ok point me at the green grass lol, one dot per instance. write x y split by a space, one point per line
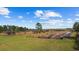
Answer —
27 43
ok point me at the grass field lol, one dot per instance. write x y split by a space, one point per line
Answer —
29 43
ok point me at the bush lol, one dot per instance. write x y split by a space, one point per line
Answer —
76 29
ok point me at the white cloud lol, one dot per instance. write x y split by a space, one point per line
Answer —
20 17
69 22
52 14
53 22
77 14
7 16
57 23
69 19
39 13
77 19
4 11
46 14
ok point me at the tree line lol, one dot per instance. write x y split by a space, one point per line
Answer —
11 29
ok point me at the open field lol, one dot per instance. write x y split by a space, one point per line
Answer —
29 42
39 29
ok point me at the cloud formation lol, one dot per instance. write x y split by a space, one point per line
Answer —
20 17
57 23
46 14
4 11
77 15
7 16
77 19
52 22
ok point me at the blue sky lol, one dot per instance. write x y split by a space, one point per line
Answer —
49 17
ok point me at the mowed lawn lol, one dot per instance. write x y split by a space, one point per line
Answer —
29 43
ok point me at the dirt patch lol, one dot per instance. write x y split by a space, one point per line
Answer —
56 35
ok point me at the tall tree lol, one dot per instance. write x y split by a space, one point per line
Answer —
39 27
76 29
1 29
76 26
13 28
5 27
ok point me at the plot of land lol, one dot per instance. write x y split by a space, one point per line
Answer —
31 43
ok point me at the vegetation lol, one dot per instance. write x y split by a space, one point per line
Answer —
39 27
30 43
1 29
76 26
76 29
11 29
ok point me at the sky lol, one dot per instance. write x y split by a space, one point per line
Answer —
49 17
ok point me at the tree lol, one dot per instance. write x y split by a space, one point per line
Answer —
39 27
12 29
9 29
17 29
1 29
76 29
5 27
24 29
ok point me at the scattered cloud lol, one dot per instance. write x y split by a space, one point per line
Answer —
77 19
77 14
52 14
7 16
39 13
69 19
20 17
4 11
53 22
57 23
46 14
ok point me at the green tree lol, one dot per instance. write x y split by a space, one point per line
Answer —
76 29
1 29
5 27
39 27
13 28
